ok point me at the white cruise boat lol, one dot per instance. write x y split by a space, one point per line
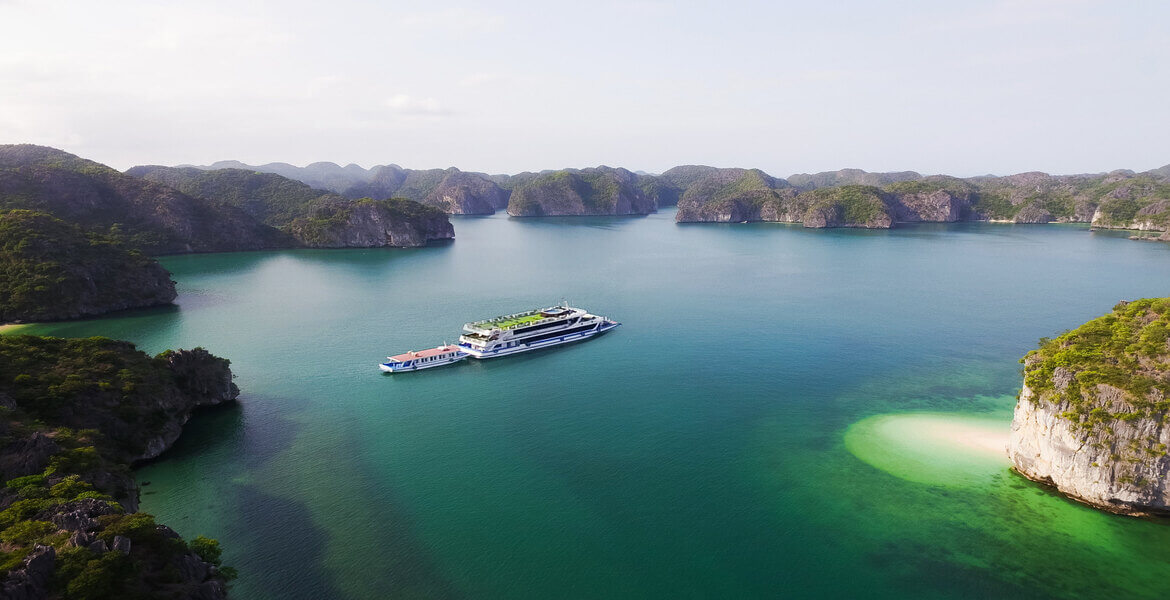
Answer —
521 332
423 359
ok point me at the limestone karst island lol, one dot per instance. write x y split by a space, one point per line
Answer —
376 301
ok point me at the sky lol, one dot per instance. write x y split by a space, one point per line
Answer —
958 87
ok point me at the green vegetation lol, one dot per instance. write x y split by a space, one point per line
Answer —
579 192
418 184
720 187
272 199
930 185
514 322
327 221
141 214
857 204
995 204
313 217
50 269
752 180
599 191
1126 349
1140 198
93 404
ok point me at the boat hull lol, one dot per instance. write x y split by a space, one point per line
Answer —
547 343
393 368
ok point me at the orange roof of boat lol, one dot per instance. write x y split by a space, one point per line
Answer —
424 353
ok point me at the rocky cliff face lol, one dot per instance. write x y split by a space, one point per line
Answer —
1032 213
460 193
76 414
1092 416
372 223
1154 216
1122 470
733 195
600 191
935 199
201 380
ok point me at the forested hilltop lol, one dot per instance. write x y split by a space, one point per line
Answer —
224 211
846 198
76 235
51 270
74 416
311 217
853 198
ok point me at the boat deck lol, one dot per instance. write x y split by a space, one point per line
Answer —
512 321
423 353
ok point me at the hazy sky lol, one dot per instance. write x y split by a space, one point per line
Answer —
957 87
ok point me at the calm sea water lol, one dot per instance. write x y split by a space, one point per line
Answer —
695 452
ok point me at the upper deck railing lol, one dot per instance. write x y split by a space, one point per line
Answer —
497 322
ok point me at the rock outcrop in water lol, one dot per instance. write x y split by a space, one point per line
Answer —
369 223
1119 199
599 191
1093 418
76 413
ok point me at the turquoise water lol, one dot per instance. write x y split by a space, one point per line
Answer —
695 452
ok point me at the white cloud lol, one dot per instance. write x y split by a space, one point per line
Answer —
406 104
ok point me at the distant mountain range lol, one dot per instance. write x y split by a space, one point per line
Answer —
81 233
845 198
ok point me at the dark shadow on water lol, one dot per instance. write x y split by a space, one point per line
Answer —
284 549
901 230
920 571
365 257
218 263
611 222
274 541
82 327
228 427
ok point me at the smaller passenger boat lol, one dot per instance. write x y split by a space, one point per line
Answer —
423 359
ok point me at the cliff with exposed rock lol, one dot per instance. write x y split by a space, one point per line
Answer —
75 415
371 223
1092 417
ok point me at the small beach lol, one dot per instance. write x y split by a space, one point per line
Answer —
932 448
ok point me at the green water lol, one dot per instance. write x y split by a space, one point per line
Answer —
695 452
